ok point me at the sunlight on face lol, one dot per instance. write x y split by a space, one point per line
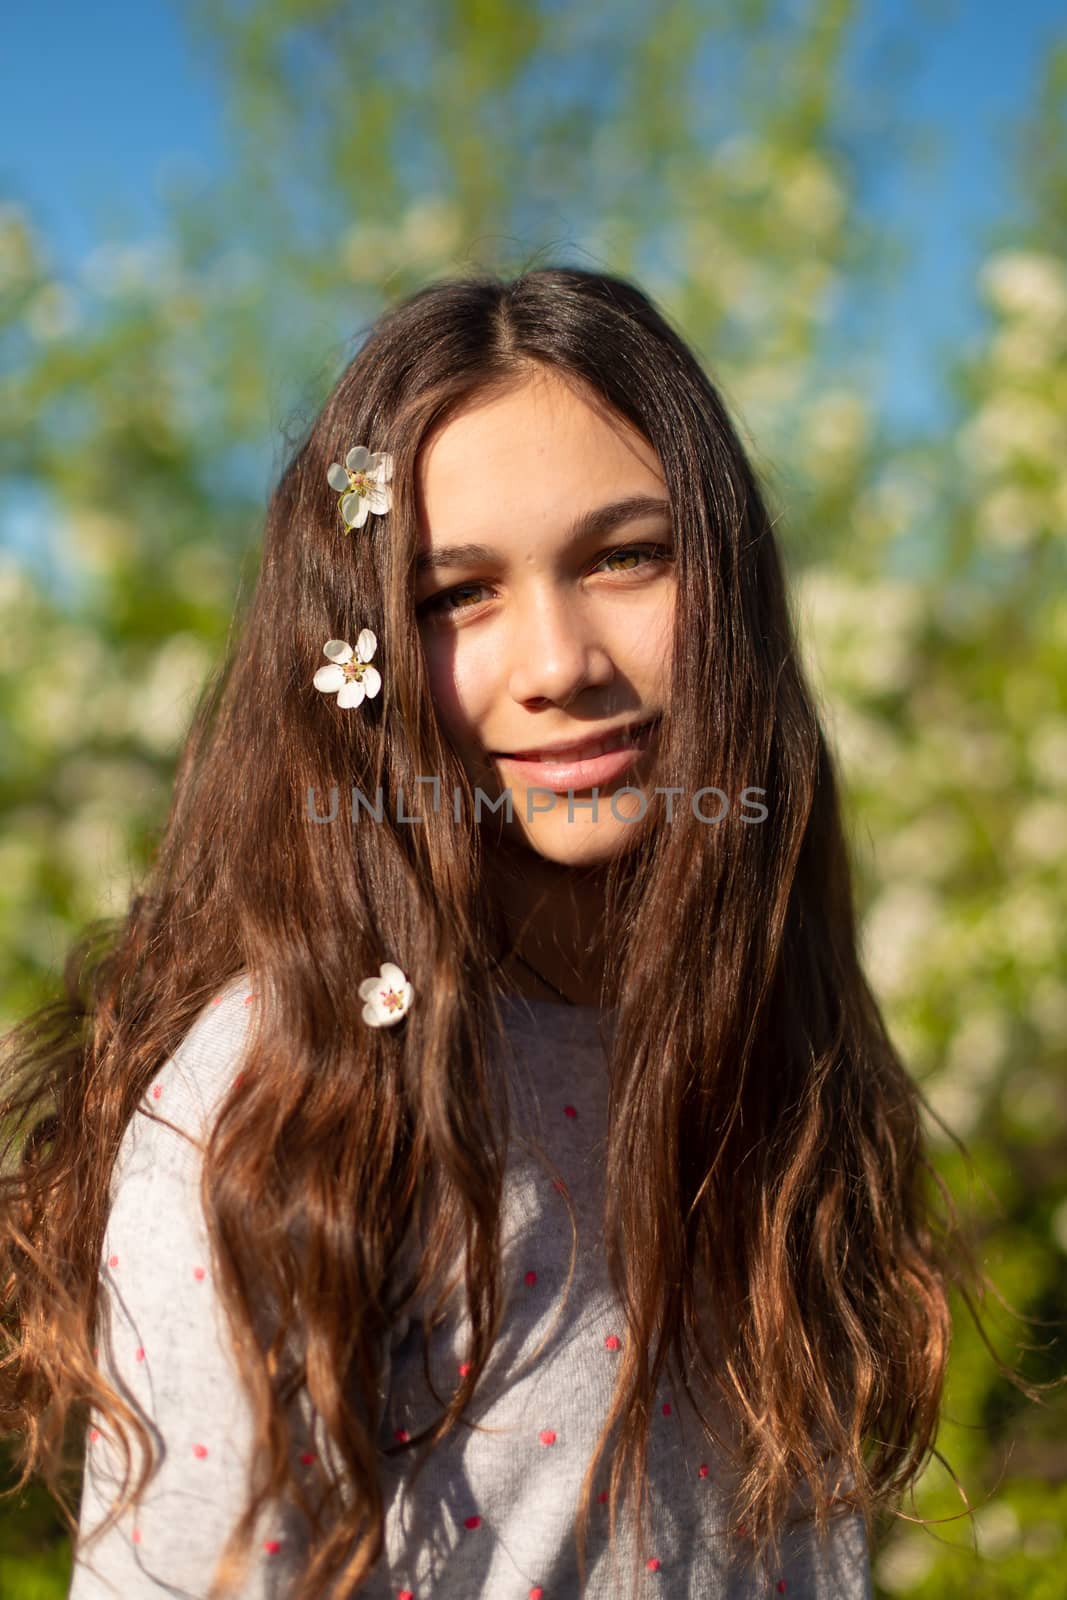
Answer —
548 635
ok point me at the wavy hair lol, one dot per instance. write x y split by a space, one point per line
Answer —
775 1226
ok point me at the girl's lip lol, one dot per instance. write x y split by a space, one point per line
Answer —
575 774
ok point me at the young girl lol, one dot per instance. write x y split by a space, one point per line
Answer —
480 1158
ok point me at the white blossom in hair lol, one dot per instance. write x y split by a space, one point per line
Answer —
362 484
349 674
387 997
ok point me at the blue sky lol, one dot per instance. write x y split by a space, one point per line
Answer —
78 82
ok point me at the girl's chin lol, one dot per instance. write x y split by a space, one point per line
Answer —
571 844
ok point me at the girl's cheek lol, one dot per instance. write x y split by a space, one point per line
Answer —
478 676
658 631
461 684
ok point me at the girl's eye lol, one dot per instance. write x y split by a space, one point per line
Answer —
654 552
464 596
438 604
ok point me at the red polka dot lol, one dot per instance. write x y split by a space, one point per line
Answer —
237 1081
559 1186
156 1091
405 1594
94 1434
402 1435
702 1471
306 1458
464 1368
536 1593
272 1546
217 1000
136 1535
666 1408
602 1496
781 1586
611 1342
95 1348
200 1451
569 1111
652 1563
249 998
139 1353
473 1522
112 1261
531 1279
547 1436
198 1274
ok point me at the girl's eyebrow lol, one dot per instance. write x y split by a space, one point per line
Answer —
590 524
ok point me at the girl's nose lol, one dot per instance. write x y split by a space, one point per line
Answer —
556 653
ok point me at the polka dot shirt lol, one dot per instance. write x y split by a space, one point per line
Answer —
494 1511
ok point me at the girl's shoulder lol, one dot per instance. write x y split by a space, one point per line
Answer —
210 1053
174 1115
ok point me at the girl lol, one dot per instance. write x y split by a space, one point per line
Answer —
485 1080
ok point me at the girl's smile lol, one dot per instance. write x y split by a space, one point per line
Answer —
579 766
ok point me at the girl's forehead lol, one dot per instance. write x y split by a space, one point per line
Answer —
532 418
538 447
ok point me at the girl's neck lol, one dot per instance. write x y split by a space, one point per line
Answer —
553 916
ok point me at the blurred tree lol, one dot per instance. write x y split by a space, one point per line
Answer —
967 924
716 156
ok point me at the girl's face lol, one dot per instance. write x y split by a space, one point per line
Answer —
544 625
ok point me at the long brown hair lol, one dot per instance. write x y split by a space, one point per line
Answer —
774 1216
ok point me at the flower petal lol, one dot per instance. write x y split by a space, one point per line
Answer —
392 975
354 509
378 499
352 694
329 679
337 478
390 1018
372 1018
369 987
359 458
366 644
372 682
383 467
337 650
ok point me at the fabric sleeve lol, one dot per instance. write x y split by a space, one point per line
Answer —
162 1340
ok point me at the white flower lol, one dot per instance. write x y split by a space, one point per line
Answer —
388 997
362 484
349 676
1029 284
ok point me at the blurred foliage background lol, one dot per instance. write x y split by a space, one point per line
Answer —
146 399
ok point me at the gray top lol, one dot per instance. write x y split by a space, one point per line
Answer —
493 1512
